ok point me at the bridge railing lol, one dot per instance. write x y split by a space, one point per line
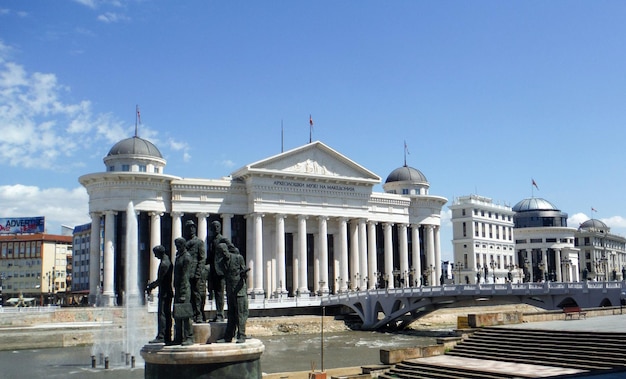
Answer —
475 289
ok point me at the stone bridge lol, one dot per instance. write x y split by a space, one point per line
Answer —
398 307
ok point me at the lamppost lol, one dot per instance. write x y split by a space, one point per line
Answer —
458 270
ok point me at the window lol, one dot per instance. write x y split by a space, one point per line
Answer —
405 191
111 168
463 212
125 167
142 168
464 230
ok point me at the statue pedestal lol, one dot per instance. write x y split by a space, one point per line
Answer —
216 360
204 360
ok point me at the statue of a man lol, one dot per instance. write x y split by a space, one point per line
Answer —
235 273
197 251
183 311
164 309
216 276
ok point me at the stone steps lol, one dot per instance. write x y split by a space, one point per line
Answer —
531 349
417 370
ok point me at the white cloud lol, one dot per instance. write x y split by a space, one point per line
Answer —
575 220
88 3
38 127
60 206
110 17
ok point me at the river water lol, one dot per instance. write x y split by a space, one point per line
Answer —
282 354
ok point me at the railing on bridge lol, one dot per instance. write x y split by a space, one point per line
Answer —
397 303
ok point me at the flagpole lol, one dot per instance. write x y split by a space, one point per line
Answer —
282 137
136 119
310 129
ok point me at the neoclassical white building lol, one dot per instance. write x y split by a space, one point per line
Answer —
306 220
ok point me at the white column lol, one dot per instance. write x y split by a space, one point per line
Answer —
258 253
343 255
303 286
177 229
371 254
280 253
323 252
437 254
354 254
430 250
544 259
94 258
363 255
251 253
109 258
155 240
202 227
559 265
388 276
415 251
404 254
226 225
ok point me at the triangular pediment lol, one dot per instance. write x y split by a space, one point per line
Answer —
311 160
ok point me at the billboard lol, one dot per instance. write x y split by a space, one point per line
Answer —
22 225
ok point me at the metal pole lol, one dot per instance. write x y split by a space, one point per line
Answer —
322 342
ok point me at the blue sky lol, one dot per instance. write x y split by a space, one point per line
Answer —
487 94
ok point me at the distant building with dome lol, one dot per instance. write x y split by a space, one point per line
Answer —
306 220
603 254
544 243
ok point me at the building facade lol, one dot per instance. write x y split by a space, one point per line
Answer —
34 267
544 243
602 254
307 220
483 241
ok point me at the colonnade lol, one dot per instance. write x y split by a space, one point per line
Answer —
355 264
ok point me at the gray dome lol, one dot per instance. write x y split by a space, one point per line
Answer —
135 146
593 224
406 174
534 204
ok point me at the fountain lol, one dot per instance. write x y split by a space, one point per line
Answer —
122 334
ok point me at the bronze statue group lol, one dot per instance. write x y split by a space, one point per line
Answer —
222 267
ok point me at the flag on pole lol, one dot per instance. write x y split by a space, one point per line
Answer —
310 121
593 209
406 148
535 184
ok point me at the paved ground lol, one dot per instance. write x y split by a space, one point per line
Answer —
604 324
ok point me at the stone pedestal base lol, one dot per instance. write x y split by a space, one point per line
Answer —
204 361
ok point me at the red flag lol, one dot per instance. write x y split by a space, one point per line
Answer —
535 183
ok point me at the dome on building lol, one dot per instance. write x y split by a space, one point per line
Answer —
534 204
135 146
594 224
406 174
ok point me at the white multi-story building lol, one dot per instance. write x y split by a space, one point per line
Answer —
603 254
483 242
306 220
544 243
